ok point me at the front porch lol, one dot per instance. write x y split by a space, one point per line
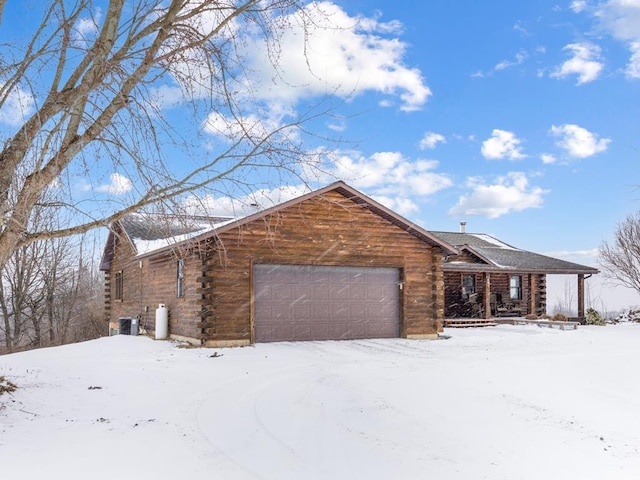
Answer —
491 296
490 280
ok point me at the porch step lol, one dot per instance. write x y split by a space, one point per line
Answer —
562 325
468 322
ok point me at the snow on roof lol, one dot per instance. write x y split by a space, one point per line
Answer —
149 232
146 246
492 240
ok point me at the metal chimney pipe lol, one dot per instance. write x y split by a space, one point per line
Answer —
463 227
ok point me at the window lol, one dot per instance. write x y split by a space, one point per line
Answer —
118 286
468 285
180 278
515 287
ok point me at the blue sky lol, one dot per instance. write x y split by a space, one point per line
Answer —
520 118
531 126
530 129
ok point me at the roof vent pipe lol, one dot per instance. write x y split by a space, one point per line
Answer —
463 227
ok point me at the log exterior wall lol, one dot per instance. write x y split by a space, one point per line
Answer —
150 281
327 230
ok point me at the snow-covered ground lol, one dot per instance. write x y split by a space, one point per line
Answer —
495 403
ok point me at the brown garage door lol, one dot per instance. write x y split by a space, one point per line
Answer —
300 302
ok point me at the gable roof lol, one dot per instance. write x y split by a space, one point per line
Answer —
500 256
147 238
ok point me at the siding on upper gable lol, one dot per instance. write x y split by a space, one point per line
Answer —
464 257
328 230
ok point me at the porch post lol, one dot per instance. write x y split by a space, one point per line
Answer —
581 295
487 295
532 294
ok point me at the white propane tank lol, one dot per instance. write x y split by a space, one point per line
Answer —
162 322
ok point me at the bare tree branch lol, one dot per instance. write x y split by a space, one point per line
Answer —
621 260
92 107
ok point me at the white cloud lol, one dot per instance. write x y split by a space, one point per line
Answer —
118 185
87 27
343 56
337 124
578 5
510 193
431 139
585 63
389 177
403 206
519 28
579 142
18 105
320 51
633 67
166 96
575 255
502 144
226 206
621 18
255 125
388 173
547 158
520 57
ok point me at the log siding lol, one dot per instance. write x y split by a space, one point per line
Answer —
328 229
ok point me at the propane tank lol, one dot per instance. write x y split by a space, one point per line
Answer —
162 322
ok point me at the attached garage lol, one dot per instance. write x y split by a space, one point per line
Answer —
308 302
330 264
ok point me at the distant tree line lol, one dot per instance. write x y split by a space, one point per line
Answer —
50 294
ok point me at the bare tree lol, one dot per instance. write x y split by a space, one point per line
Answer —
50 294
564 304
86 86
620 260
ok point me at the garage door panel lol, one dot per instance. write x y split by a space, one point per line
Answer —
320 311
301 311
276 294
281 313
382 310
281 331
323 303
357 330
338 292
380 330
339 311
301 330
338 331
320 292
318 330
357 310
357 292
264 332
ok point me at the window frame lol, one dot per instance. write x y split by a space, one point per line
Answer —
466 293
118 286
515 287
180 278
